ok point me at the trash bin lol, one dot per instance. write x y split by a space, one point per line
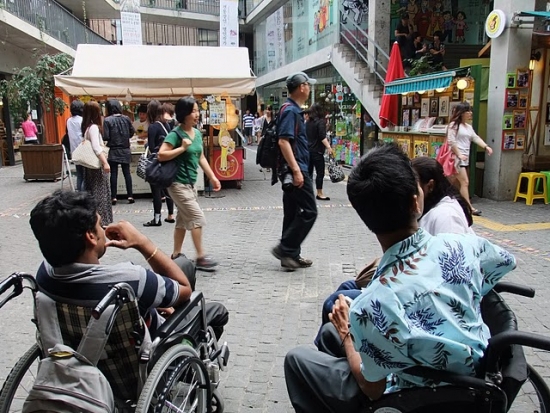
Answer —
42 162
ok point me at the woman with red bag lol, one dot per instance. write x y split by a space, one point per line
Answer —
460 135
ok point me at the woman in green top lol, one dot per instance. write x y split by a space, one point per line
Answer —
185 144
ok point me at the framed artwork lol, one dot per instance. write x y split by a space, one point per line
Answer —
406 121
520 141
416 98
456 93
507 121
425 107
519 119
508 141
434 102
512 99
431 93
403 100
522 102
510 80
405 145
421 148
522 79
434 148
444 106
409 100
452 107
415 115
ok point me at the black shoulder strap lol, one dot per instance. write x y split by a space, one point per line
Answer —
180 135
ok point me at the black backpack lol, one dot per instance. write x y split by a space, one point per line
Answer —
267 155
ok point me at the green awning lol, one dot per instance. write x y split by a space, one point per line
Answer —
424 82
543 14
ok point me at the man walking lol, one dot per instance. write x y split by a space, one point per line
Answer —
248 124
300 209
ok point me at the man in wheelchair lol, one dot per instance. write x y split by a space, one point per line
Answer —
72 240
422 307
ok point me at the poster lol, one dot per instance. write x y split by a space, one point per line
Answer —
131 28
217 112
275 40
229 23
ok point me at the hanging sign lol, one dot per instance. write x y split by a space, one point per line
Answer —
229 23
131 28
495 23
217 113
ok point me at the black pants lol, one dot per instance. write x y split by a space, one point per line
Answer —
317 161
114 178
322 381
300 213
158 192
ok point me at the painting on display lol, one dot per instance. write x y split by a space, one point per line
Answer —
425 107
508 140
522 79
444 106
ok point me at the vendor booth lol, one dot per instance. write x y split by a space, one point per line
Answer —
425 106
213 75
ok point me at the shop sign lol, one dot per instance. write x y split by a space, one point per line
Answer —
229 23
131 28
285 93
495 23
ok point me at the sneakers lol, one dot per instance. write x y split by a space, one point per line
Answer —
206 264
289 262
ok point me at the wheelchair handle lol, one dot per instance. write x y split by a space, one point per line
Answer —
16 281
513 288
121 293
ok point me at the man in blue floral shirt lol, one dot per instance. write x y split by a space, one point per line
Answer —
421 308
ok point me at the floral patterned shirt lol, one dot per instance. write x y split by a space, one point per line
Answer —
423 307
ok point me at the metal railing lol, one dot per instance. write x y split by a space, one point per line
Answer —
374 56
211 7
52 19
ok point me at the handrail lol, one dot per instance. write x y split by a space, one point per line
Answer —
355 36
51 18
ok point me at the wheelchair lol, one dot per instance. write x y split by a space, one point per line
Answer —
176 370
505 382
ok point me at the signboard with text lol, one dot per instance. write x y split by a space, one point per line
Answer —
229 23
131 28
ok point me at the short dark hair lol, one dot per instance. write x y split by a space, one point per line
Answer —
316 111
429 169
381 189
77 107
438 34
142 108
60 222
113 107
155 111
184 107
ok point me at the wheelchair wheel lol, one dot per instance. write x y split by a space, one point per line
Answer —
19 382
178 382
534 395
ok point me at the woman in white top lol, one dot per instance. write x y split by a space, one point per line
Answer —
460 135
96 181
444 209
258 124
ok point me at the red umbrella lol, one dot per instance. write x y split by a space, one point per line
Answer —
388 108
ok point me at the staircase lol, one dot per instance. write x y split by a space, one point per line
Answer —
364 83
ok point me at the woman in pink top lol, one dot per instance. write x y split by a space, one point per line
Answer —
30 130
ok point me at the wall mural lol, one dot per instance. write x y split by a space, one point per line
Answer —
459 21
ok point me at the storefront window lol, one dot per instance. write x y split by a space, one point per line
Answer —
295 30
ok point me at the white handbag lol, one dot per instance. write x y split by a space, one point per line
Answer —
85 156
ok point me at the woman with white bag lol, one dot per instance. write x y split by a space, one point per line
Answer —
97 180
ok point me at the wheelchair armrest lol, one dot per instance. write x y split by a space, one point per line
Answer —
500 342
179 315
513 288
446 377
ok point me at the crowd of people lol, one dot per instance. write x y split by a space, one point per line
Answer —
397 313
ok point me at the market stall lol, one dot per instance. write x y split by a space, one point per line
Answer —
213 75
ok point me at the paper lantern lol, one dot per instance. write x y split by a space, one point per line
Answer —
462 84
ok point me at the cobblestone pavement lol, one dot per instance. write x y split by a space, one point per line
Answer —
271 311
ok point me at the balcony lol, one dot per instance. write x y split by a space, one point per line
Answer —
53 20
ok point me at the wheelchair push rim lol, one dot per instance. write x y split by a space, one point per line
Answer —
533 396
178 383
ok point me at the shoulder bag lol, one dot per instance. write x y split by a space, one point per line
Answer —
85 156
147 158
335 171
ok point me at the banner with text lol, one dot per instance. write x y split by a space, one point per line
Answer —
131 28
229 23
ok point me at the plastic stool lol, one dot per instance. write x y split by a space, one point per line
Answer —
539 183
530 195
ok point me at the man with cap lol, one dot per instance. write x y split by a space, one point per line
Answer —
299 206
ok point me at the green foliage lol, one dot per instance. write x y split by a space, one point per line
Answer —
423 65
35 85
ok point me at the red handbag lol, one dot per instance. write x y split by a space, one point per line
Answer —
446 158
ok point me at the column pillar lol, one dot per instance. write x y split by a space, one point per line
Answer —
510 51
379 29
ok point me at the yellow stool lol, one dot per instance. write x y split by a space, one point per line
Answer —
530 195
539 182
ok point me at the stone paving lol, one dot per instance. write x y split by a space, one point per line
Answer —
271 311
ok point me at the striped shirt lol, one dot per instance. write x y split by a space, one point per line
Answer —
86 284
248 120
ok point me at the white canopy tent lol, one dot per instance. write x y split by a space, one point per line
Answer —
146 72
